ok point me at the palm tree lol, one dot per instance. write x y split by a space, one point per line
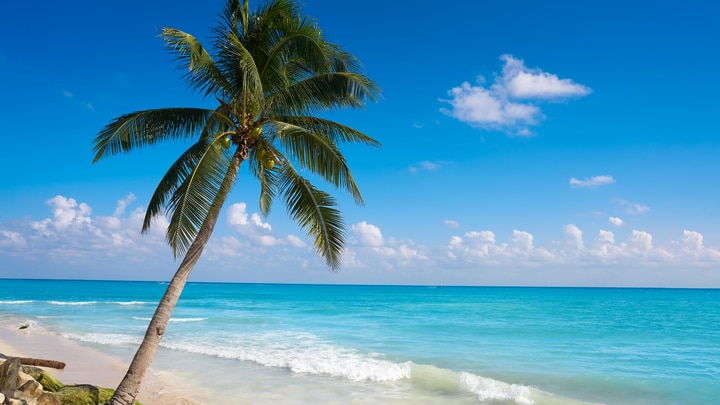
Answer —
272 74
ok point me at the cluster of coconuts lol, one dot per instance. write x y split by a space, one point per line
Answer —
267 161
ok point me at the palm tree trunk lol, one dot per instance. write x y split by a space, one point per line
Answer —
130 385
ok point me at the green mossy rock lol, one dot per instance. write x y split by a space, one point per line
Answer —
49 383
105 394
83 394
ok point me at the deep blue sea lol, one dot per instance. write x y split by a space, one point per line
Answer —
331 344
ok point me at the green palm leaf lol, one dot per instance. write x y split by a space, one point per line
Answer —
201 73
142 128
337 132
317 153
324 92
200 174
314 210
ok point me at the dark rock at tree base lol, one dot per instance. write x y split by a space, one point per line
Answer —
9 374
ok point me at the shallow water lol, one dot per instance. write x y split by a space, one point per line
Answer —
310 344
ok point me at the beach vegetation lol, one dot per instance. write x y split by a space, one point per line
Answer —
273 75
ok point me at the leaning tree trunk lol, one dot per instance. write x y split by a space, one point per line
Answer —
130 385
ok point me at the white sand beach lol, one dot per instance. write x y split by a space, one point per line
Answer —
85 365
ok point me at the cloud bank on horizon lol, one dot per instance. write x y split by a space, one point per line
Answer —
510 102
73 237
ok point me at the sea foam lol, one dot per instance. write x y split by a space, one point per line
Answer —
16 302
72 303
298 352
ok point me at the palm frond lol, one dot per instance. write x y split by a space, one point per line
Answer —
201 73
337 132
319 154
314 210
200 178
269 183
238 66
142 128
324 92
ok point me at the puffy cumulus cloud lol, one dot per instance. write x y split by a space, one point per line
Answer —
368 248
73 236
367 235
508 103
640 242
522 82
481 247
522 242
67 213
257 232
483 108
692 245
473 244
692 242
616 221
573 237
605 245
594 181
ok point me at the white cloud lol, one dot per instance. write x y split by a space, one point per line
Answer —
10 239
522 82
574 238
368 248
594 181
605 245
123 203
474 244
483 108
253 228
295 241
633 208
506 105
640 242
522 242
367 235
616 221
639 250
428 166
73 238
692 245
66 213
451 224
482 245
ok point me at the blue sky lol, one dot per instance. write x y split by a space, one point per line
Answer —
524 143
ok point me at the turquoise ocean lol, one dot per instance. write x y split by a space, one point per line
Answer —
341 344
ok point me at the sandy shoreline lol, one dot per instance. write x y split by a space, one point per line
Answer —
85 365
